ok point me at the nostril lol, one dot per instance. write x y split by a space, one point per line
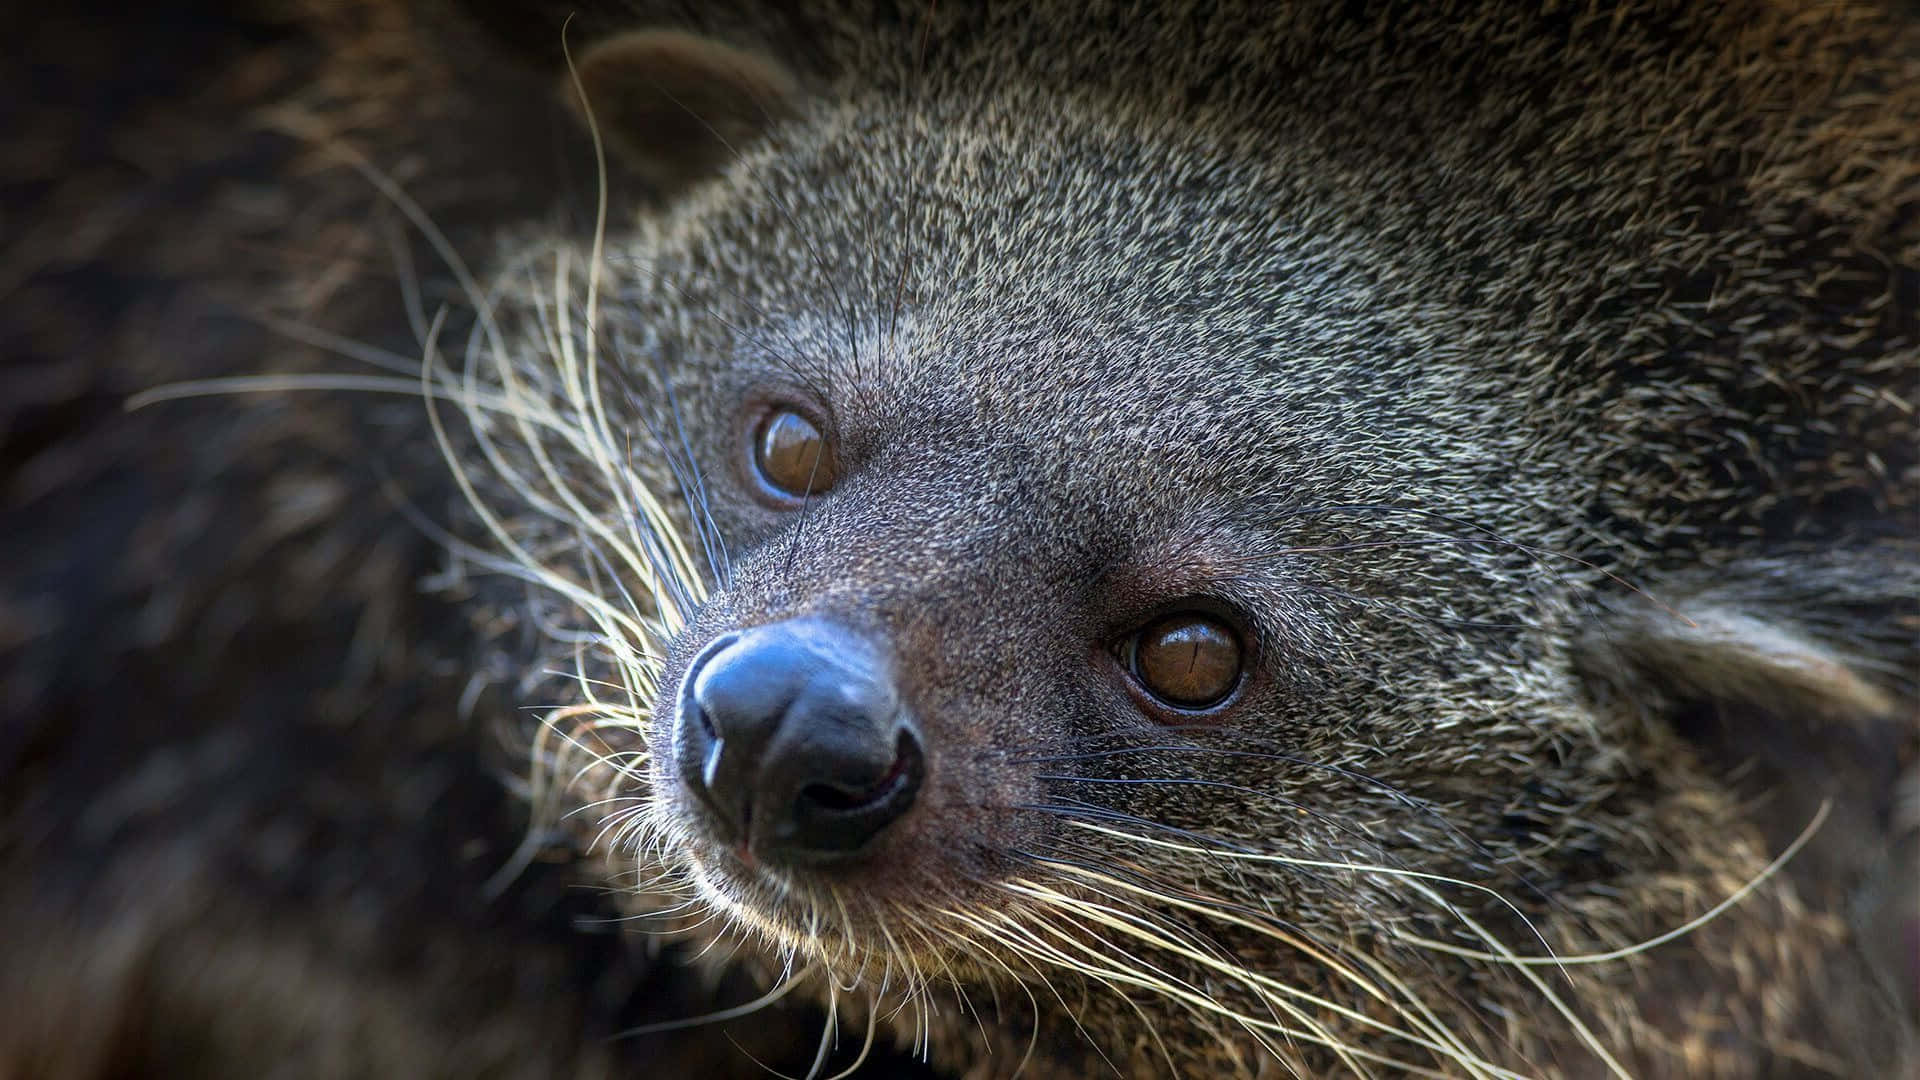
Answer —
829 821
839 797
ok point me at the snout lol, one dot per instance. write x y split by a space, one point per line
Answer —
794 742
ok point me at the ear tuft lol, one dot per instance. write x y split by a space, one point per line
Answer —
1735 659
1793 682
676 106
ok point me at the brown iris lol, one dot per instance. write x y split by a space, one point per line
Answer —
1187 660
792 456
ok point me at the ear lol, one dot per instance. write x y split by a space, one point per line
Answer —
676 106
1794 680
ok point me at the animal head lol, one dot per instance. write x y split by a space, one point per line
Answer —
1231 535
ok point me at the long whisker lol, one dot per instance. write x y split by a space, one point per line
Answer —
782 990
1418 805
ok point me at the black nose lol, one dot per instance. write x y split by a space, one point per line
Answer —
793 739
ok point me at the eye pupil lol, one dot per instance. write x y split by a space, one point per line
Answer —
792 456
1187 660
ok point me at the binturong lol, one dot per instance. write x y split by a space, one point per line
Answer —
1177 538
1239 539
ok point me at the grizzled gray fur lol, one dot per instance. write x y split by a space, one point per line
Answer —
1532 389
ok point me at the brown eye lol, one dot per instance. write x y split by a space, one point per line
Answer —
1187 660
791 455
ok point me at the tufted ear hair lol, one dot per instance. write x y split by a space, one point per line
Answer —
677 106
1795 681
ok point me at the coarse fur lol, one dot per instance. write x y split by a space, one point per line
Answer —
1535 385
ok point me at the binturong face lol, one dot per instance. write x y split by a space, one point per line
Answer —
1230 544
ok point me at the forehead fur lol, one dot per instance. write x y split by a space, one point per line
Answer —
1282 253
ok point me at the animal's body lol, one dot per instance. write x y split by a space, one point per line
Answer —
1217 538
